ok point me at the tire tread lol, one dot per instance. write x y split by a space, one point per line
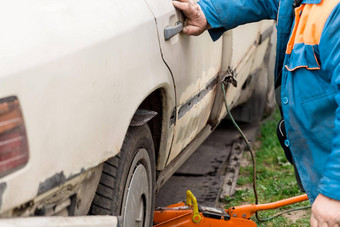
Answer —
108 197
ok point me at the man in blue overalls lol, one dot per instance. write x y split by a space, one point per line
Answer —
308 70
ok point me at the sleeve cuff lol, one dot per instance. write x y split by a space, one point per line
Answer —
209 11
329 187
216 33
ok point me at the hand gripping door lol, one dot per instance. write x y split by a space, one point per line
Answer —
194 63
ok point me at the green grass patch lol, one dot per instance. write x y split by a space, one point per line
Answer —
275 179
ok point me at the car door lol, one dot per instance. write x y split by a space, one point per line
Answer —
194 63
243 47
239 48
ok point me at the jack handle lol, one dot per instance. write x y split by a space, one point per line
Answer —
246 211
192 201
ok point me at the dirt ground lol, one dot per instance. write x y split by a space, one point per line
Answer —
296 215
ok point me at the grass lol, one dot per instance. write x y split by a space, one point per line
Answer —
275 178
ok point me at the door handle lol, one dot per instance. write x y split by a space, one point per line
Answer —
170 31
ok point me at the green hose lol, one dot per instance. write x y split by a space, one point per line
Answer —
252 154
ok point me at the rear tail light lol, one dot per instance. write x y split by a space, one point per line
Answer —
13 140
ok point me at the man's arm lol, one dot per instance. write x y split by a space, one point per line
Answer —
222 15
326 207
196 22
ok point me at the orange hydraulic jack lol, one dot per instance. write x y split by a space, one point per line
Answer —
190 214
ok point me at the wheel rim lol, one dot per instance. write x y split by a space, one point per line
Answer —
138 192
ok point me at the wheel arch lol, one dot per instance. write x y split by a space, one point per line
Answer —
162 101
154 102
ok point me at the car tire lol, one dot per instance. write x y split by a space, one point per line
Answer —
127 184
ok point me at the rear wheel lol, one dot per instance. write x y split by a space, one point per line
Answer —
126 187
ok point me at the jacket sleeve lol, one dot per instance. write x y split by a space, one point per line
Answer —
223 15
329 47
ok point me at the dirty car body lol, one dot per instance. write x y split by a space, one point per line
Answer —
80 71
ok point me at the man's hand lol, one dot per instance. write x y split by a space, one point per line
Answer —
196 23
325 212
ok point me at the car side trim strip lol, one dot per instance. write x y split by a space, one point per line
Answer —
186 107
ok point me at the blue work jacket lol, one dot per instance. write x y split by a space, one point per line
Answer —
308 60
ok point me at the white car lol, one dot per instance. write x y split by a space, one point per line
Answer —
102 101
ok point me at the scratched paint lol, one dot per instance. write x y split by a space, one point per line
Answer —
3 186
192 123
